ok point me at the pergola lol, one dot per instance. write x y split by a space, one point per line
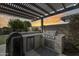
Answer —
36 11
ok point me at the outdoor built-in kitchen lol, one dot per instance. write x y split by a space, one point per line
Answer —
39 29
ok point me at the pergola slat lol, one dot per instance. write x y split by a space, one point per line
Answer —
64 10
49 5
25 10
7 10
16 10
39 8
13 14
63 5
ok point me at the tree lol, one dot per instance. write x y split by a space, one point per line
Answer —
71 39
27 24
74 29
16 24
6 30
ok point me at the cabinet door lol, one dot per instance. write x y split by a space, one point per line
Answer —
29 43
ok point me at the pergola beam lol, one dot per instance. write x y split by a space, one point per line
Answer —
50 6
42 25
58 12
22 10
63 5
26 11
16 10
39 8
27 8
12 12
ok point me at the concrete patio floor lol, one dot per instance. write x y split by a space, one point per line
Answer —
2 50
37 52
42 52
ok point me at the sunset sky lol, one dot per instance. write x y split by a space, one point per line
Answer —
52 20
56 19
4 19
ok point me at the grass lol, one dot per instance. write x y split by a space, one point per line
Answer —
3 39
